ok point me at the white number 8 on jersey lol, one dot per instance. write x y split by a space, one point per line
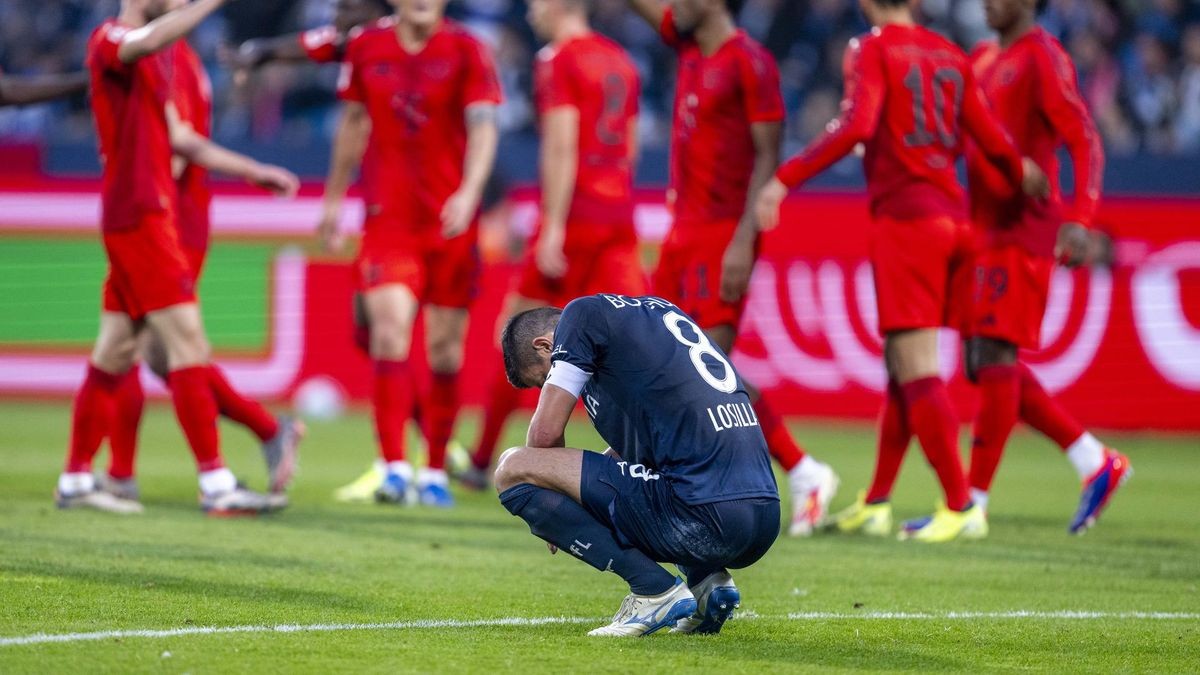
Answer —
697 350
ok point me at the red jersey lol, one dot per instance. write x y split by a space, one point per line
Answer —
594 75
128 104
417 104
192 96
717 98
910 98
1033 89
322 44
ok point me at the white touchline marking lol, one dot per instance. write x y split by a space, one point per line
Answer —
44 638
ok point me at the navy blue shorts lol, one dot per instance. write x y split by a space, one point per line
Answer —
642 508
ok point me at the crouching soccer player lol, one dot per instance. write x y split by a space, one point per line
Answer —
687 478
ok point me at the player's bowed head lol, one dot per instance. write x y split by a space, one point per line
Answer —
527 343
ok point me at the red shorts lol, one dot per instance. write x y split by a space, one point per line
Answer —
195 258
1009 295
147 270
445 273
689 273
604 263
922 271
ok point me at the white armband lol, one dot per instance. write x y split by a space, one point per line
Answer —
568 377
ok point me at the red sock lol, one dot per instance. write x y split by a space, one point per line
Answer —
393 399
1040 411
502 400
931 417
779 440
91 417
122 441
246 412
999 402
196 409
440 409
894 435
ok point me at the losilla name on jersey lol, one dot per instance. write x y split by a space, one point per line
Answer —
732 416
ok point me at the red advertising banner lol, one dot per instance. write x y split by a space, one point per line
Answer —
1121 346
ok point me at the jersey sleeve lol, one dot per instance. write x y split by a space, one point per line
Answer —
761 93
481 82
322 44
1065 111
349 85
554 85
984 129
579 344
105 48
862 105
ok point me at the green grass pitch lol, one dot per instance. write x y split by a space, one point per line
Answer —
828 603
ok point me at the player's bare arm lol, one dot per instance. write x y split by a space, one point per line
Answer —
349 144
559 163
483 136
738 261
650 10
255 53
166 29
197 149
26 90
549 422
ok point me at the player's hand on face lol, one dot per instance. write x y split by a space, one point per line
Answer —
1034 182
277 180
330 239
766 207
736 265
549 256
1074 245
457 213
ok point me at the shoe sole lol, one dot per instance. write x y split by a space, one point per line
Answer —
233 513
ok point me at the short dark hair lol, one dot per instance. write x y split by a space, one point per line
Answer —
891 3
734 7
1041 6
384 7
516 340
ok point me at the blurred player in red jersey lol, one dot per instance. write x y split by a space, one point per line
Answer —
150 283
424 93
324 44
191 97
911 99
16 90
1030 82
586 91
724 147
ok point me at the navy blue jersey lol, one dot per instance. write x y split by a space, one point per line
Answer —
663 396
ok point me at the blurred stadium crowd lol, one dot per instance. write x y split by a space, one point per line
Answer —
1138 61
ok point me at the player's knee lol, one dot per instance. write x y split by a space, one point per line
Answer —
445 356
510 470
115 355
389 340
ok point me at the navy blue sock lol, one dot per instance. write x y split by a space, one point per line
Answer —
697 574
560 520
